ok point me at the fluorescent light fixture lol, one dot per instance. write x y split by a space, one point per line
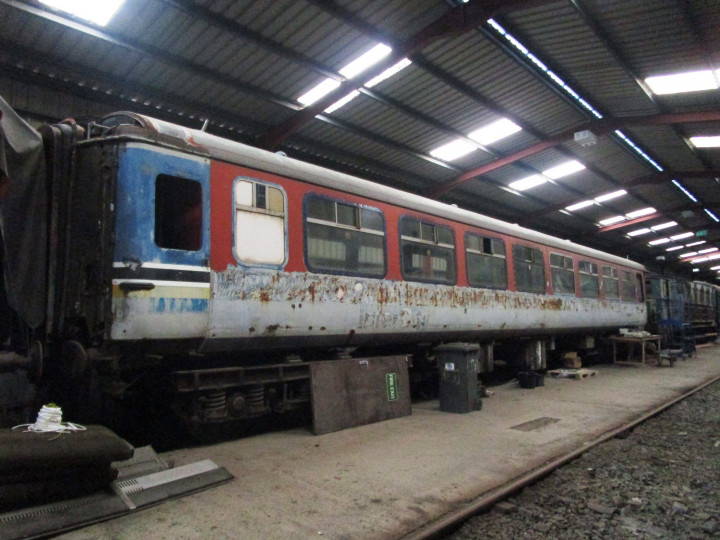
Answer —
609 196
319 91
611 220
675 248
453 150
662 226
688 254
578 206
659 241
389 72
494 132
696 269
638 232
365 61
706 141
685 191
695 243
99 12
528 182
677 83
350 70
712 216
564 169
640 213
708 250
715 268
682 235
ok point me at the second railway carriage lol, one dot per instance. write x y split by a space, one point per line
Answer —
220 269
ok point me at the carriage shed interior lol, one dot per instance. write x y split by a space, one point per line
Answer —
586 120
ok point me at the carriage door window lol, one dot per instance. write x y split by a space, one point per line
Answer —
178 213
563 274
259 235
610 282
428 251
529 269
589 284
627 287
485 260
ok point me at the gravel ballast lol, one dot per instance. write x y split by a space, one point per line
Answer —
662 480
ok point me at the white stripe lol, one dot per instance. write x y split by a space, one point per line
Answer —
163 266
158 283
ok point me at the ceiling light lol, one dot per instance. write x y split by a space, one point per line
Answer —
706 141
708 250
578 206
613 195
715 268
640 213
90 10
453 150
659 241
612 220
342 102
695 243
682 235
529 182
662 226
675 248
688 254
564 169
494 132
690 81
319 91
638 232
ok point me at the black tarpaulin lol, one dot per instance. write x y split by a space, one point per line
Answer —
23 216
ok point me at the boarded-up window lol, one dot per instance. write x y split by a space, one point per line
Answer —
486 261
344 238
259 223
563 274
529 269
427 251
178 213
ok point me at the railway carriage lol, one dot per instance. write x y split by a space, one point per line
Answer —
213 271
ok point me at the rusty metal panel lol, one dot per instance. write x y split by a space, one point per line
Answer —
358 391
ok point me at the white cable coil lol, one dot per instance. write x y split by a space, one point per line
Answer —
49 420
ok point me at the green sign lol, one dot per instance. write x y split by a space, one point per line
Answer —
701 233
391 383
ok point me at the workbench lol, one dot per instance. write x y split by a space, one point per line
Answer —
632 341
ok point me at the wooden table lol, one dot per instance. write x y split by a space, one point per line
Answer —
642 341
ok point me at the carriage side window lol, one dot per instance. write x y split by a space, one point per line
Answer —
589 283
427 251
259 235
627 287
485 261
178 213
611 285
529 269
344 238
563 274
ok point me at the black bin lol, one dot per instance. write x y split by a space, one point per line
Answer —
458 368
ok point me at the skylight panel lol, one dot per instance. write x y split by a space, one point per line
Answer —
609 196
675 248
98 12
528 182
665 225
453 150
708 250
688 254
640 213
389 72
350 70
578 206
695 243
342 102
638 232
712 216
611 220
494 131
677 83
685 191
706 141
564 169
682 236
659 241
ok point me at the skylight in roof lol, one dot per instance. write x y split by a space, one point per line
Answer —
494 131
706 141
708 250
665 225
688 254
453 150
578 206
695 243
640 213
611 220
96 11
682 236
685 191
528 182
712 216
609 196
675 248
350 70
659 241
565 169
601 198
677 83
638 232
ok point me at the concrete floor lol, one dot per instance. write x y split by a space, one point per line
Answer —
384 480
